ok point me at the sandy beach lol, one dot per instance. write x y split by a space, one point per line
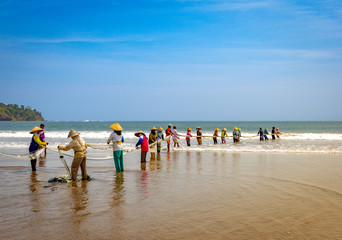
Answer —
184 195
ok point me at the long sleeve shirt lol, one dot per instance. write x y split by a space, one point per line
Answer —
78 145
117 141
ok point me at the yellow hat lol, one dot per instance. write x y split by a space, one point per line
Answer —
235 128
217 129
73 133
277 128
198 128
224 129
160 129
116 127
153 128
266 128
138 133
189 129
36 129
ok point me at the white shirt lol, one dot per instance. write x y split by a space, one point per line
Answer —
117 141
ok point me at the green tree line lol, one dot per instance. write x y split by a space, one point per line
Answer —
14 112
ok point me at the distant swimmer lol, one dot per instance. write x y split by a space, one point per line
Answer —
273 133
175 137
160 135
168 132
278 133
235 135
224 135
188 135
215 135
199 134
261 133
265 133
80 154
35 145
239 134
42 135
117 138
153 138
143 141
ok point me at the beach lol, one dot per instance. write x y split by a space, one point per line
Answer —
184 195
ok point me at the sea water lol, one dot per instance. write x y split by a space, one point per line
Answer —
297 137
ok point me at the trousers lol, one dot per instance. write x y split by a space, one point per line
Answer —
76 163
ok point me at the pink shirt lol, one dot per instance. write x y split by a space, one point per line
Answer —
188 133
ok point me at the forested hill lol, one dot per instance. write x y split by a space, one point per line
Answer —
14 112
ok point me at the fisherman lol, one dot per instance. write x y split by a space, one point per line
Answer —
223 135
278 133
80 154
160 135
168 132
143 141
239 134
266 133
215 135
235 135
153 138
261 133
117 138
175 137
35 145
199 134
273 133
42 136
188 135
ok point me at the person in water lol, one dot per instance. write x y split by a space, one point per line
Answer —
215 135
80 154
143 141
153 138
188 135
168 133
175 137
261 133
35 145
278 133
199 134
273 133
224 135
235 135
42 136
266 133
239 134
117 138
160 136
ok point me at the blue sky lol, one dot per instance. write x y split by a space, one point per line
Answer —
173 60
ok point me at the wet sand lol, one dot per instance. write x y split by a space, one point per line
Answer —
184 195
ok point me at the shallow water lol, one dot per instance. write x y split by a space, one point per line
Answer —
184 195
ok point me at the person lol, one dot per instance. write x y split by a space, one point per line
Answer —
239 134
42 136
278 133
143 141
175 137
35 145
273 133
168 132
224 135
188 135
117 138
266 133
261 133
215 135
80 154
235 135
199 134
160 136
152 138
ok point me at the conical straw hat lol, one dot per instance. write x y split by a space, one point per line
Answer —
198 128
235 128
73 133
116 127
189 129
153 128
36 129
217 129
224 129
160 129
138 133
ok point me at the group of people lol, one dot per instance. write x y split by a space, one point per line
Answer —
263 133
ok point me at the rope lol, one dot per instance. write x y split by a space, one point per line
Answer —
27 156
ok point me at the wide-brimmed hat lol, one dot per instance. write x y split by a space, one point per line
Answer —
160 129
235 128
239 129
224 129
138 133
216 129
277 128
36 129
153 128
189 129
73 133
198 128
266 128
116 127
